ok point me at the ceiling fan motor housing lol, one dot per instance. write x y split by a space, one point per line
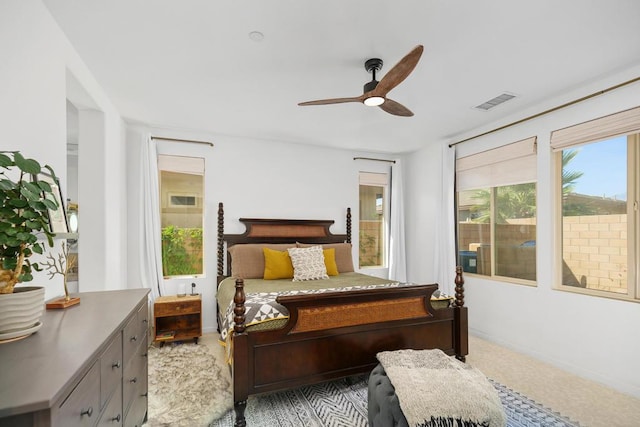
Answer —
372 65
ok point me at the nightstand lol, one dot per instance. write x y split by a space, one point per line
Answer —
177 318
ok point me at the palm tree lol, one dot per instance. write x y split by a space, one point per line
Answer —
519 201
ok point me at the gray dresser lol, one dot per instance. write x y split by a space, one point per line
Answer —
86 366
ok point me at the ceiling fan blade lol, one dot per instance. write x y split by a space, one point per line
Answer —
395 108
399 72
332 101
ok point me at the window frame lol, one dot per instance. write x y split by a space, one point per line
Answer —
495 168
386 211
633 216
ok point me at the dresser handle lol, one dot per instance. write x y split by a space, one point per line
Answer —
145 321
87 412
116 365
116 418
145 394
134 380
144 355
134 338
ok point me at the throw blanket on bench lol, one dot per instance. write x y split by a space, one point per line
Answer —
437 390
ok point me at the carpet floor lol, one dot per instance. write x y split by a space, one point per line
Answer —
190 387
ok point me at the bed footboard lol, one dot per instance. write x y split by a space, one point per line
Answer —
334 335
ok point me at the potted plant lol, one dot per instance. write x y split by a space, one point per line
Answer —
25 202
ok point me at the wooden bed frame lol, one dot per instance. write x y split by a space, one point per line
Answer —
331 335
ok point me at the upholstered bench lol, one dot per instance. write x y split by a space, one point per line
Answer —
383 407
428 388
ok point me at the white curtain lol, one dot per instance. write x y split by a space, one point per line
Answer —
445 256
150 238
397 249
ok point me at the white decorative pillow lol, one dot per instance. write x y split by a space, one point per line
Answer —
308 263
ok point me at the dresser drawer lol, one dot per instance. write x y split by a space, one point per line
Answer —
177 308
112 415
82 407
137 412
134 380
130 339
143 319
111 369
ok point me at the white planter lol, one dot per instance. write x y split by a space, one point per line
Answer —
20 312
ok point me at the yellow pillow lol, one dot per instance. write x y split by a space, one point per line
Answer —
277 265
330 261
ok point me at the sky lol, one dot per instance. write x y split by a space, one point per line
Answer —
605 168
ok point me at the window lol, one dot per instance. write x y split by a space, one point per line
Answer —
598 185
496 208
373 219
181 214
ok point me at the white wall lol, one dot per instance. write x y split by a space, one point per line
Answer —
256 179
593 337
33 92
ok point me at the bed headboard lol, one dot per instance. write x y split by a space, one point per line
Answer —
260 230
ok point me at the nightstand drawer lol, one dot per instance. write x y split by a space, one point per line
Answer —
178 308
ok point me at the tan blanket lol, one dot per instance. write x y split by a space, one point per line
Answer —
438 390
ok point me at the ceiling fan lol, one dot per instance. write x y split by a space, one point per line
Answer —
375 92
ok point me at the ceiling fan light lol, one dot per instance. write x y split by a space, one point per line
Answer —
374 101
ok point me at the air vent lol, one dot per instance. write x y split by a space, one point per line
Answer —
486 106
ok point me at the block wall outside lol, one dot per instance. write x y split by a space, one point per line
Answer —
594 250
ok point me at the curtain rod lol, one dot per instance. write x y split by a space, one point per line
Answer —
551 110
376 160
182 140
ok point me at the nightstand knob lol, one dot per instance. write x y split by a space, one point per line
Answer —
134 338
87 412
134 380
116 418
116 365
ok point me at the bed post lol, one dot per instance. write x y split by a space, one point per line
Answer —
240 356
461 320
220 242
348 225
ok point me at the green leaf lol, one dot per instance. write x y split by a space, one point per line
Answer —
5 161
26 277
45 186
9 263
23 236
18 203
38 249
50 204
7 185
29 166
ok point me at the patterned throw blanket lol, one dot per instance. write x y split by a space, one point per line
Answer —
436 390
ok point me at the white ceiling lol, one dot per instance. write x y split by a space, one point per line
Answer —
191 65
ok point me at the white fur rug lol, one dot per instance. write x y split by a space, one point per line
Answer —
188 387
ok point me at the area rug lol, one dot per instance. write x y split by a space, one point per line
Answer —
188 387
343 403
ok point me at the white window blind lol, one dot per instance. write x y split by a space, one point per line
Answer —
181 164
622 123
374 179
507 165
